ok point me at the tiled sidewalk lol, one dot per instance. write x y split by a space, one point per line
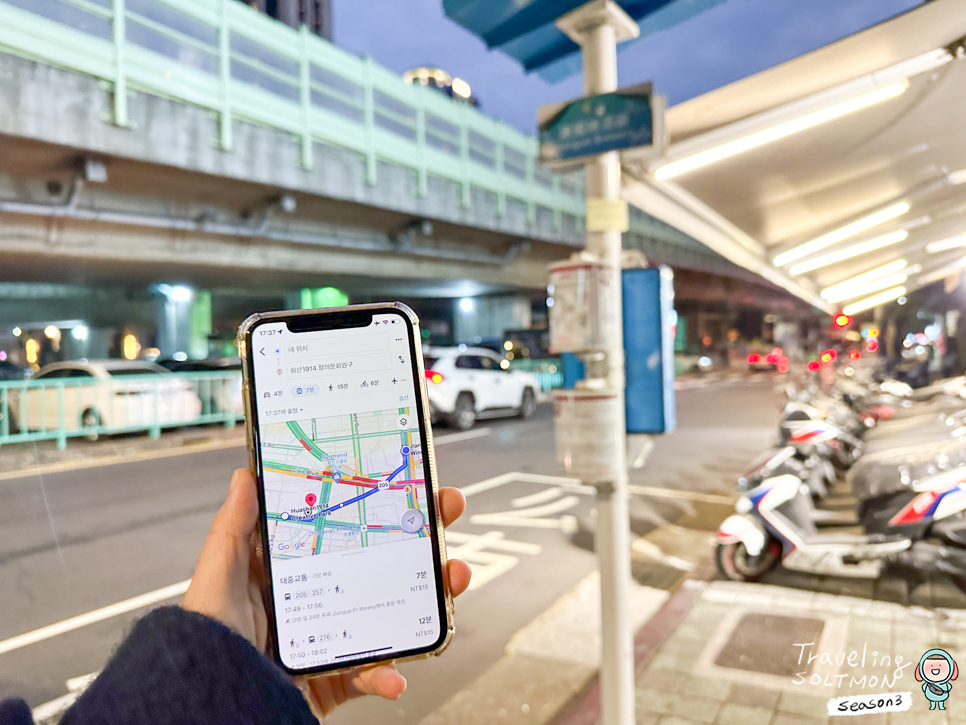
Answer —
733 659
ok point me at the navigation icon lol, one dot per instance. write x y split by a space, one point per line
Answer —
412 521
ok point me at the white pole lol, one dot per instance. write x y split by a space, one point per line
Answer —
603 181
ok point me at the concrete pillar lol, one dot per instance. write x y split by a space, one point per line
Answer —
174 319
476 318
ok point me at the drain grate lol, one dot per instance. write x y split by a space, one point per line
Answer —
766 643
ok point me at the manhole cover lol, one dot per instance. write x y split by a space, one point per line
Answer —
766 643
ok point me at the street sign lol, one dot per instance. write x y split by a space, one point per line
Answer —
577 130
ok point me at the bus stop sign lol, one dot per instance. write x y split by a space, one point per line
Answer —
582 128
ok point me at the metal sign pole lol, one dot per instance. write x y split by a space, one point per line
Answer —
597 27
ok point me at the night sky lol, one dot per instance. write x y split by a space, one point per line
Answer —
728 42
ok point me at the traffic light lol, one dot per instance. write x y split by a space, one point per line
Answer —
841 320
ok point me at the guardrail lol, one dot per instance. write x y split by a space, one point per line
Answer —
547 371
239 63
58 409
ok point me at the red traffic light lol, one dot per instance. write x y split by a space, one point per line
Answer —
813 365
842 321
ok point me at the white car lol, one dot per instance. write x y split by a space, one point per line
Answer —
467 383
117 394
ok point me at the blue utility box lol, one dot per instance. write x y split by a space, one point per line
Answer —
649 349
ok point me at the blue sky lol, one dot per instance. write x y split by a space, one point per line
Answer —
735 39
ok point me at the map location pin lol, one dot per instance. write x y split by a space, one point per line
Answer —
310 499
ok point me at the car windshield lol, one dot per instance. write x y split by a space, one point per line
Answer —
115 372
429 361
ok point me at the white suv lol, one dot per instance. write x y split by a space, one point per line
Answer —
466 383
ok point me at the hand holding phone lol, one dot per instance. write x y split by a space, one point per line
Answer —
227 586
350 519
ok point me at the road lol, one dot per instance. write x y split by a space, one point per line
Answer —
80 540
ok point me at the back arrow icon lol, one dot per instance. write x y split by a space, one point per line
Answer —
262 351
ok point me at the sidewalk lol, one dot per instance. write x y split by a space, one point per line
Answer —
25 456
716 652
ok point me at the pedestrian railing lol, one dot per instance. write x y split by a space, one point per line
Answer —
548 371
62 408
240 64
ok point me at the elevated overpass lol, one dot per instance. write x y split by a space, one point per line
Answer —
199 141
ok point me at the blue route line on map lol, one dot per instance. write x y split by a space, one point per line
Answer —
367 494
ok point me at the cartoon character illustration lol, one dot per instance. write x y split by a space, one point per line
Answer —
935 671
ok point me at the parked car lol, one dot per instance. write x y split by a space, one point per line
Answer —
468 383
117 394
218 395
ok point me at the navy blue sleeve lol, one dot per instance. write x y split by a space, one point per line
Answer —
180 668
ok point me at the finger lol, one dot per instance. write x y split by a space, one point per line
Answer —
452 503
383 681
458 576
237 517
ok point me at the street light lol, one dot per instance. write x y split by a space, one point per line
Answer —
179 293
760 138
466 304
854 251
81 333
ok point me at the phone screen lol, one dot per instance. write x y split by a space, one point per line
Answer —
349 513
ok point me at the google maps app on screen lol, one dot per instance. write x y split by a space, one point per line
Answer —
348 523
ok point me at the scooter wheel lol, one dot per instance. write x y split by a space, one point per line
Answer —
735 563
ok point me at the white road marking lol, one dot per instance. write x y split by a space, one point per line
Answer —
488 483
53 709
681 494
539 497
99 461
570 485
533 517
464 436
96 615
652 551
486 565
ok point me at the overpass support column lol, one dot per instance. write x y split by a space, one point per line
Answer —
483 317
184 320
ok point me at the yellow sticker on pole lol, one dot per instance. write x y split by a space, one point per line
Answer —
606 215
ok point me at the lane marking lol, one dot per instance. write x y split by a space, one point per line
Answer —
94 616
99 461
487 565
58 706
680 494
533 518
464 436
539 497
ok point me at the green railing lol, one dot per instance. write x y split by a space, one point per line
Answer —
58 409
547 371
241 64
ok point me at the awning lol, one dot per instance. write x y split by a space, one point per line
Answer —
524 29
839 175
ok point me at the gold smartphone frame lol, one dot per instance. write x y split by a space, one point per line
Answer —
245 348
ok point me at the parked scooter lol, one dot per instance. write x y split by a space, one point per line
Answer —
773 525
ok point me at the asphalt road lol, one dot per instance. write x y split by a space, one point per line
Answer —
83 539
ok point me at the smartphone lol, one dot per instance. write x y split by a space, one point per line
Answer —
340 442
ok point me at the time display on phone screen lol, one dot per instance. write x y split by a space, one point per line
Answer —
347 514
